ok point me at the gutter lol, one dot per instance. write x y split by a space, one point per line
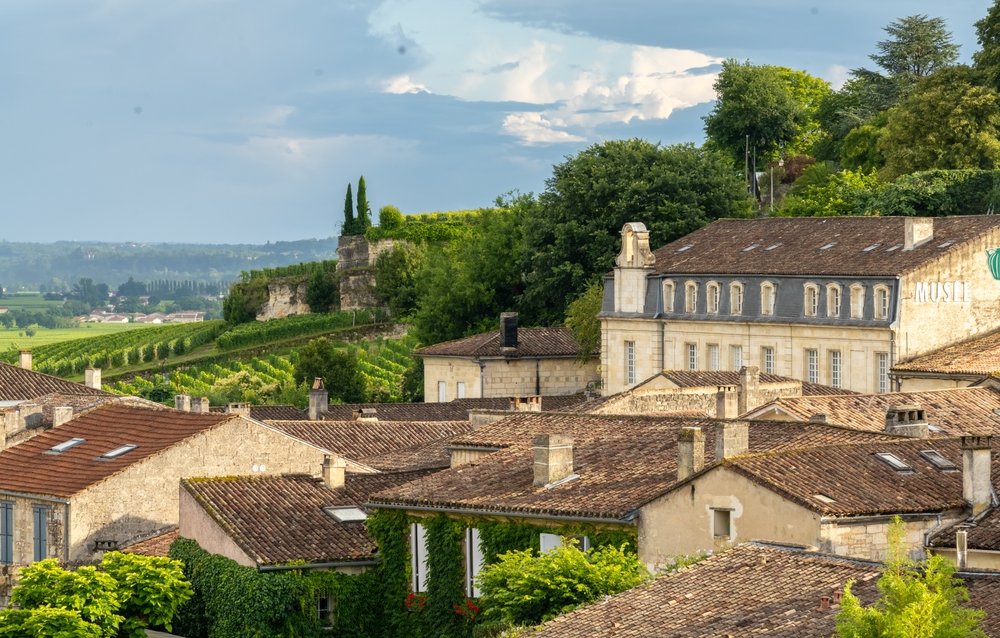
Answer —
627 519
876 518
334 564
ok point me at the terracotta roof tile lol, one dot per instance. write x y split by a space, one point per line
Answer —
18 384
814 245
708 378
279 519
276 412
955 411
980 355
531 342
983 533
614 479
157 545
28 467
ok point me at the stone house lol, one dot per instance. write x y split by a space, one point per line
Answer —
111 475
973 543
509 362
21 383
970 362
832 300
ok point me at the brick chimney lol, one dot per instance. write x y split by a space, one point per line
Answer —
917 230
553 458
731 439
182 402
24 359
92 378
727 402
690 452
242 409
334 471
61 414
531 403
749 388
199 405
977 485
319 400
508 332
906 420
29 415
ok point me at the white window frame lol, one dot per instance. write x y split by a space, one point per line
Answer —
735 357
548 542
713 297
460 390
442 391
691 297
418 558
836 369
812 365
767 359
882 301
810 300
768 298
692 356
882 371
833 300
736 298
630 363
474 561
857 301
714 359
668 295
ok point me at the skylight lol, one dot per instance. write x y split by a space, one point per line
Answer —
751 247
65 445
894 462
892 248
773 246
346 514
823 498
683 248
118 451
830 245
871 248
934 428
938 460
947 243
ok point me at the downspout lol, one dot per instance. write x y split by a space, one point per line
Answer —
482 379
893 328
66 533
538 377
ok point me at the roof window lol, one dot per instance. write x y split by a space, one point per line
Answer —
773 246
939 461
870 248
683 248
892 248
947 243
894 462
118 451
346 514
65 445
830 245
823 498
751 247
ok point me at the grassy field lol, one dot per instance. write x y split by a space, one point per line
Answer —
16 339
28 301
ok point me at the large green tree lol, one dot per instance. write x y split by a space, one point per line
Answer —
364 218
948 121
572 237
338 368
917 47
396 272
350 224
987 58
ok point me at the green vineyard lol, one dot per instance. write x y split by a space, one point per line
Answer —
141 345
264 332
383 363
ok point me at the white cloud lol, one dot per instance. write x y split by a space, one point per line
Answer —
403 84
534 128
836 75
307 155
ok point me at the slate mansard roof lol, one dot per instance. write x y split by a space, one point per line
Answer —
531 342
824 246
18 384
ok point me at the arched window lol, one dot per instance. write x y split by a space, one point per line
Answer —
857 301
832 300
810 296
881 302
712 296
768 294
736 298
668 295
691 296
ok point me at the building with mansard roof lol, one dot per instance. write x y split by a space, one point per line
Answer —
830 300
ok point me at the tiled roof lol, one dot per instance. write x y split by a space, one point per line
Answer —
279 519
854 482
356 440
982 534
28 467
531 342
956 411
751 590
18 384
83 402
275 412
157 545
422 456
814 246
980 355
708 378
622 462
450 411
819 390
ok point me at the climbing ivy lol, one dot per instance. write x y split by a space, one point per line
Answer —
390 530
445 577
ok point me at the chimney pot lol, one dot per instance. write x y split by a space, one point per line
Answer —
824 602
24 359
243 409
906 420
182 402
977 487
61 414
553 458
334 471
92 378
319 400
690 452
749 388
727 402
837 596
200 405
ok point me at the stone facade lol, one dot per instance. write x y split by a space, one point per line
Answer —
284 299
356 257
868 538
197 524
463 377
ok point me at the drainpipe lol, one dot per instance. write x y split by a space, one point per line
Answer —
538 377
482 379
66 532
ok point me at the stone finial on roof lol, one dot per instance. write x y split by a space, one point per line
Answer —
635 251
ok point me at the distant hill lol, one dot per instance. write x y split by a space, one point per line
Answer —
56 266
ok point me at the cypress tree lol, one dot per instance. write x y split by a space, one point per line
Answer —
364 211
348 227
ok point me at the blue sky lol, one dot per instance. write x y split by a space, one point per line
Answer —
224 121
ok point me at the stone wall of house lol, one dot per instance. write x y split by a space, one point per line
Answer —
24 528
143 497
285 298
195 523
869 539
505 377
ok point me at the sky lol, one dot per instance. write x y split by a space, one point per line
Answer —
243 121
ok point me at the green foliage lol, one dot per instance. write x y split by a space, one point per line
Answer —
349 226
46 622
323 291
522 588
918 46
916 600
582 321
497 538
247 296
446 577
821 192
949 121
389 217
265 332
151 590
244 300
427 228
91 593
389 529
941 192
396 274
572 236
338 369
364 211
987 59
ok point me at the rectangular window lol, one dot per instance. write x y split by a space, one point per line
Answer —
835 368
736 299
722 524
418 558
714 294
40 514
882 371
692 356
6 532
736 357
881 302
857 301
473 561
460 390
767 299
690 297
323 608
767 357
668 296
713 356
442 391
812 366
548 542
833 301
629 362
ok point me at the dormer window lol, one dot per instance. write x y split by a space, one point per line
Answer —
668 295
691 297
712 296
767 296
833 300
736 298
857 301
881 302
811 300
